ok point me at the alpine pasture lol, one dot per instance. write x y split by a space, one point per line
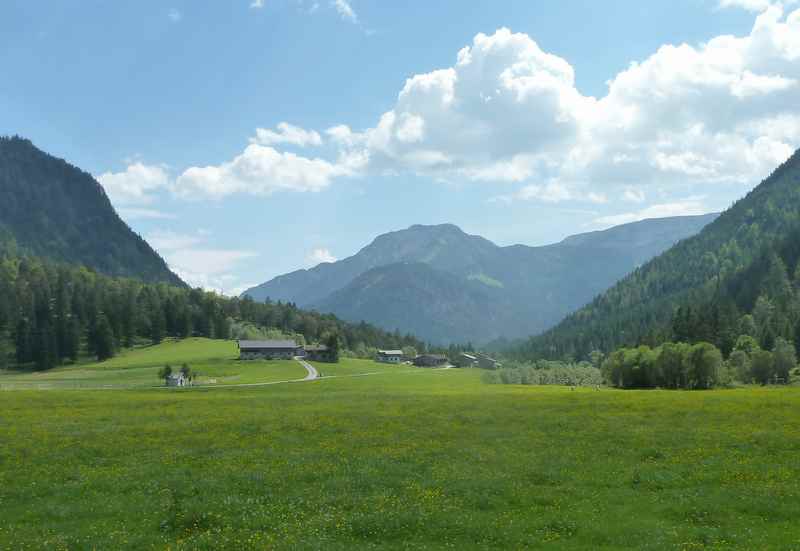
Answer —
386 457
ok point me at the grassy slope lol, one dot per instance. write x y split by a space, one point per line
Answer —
406 459
212 359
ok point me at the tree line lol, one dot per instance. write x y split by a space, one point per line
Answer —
700 365
52 313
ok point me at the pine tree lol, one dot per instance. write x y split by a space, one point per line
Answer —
332 343
23 342
73 340
103 338
45 352
157 325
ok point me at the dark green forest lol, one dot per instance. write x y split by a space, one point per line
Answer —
739 276
52 313
57 211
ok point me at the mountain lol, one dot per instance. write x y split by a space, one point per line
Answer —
413 295
447 286
700 288
52 209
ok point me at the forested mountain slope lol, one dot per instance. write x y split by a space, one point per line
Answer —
416 298
713 275
52 209
490 291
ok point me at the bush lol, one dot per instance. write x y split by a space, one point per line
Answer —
672 365
546 373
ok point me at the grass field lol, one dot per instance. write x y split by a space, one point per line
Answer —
404 459
215 361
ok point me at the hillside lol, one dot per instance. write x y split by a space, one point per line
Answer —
415 298
719 273
482 291
52 209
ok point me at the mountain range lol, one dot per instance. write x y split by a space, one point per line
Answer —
705 287
446 286
52 209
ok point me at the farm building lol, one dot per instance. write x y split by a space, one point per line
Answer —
485 362
269 350
316 353
466 360
390 356
176 379
430 360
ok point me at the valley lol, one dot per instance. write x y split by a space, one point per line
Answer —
399 276
362 461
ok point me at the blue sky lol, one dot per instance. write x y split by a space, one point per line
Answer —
246 139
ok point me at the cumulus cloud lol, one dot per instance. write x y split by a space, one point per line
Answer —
720 113
633 195
723 112
319 256
135 185
170 241
687 207
135 213
552 192
749 5
287 134
189 256
260 170
345 10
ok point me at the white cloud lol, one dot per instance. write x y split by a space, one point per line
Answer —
257 4
170 241
287 134
597 198
344 136
552 192
133 213
259 170
633 195
189 256
749 5
723 112
135 185
174 15
345 10
319 256
691 206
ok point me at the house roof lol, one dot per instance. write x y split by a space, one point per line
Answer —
390 352
267 344
433 356
470 356
316 348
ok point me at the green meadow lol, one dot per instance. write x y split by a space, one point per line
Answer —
399 458
215 362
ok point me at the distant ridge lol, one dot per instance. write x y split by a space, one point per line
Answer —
444 285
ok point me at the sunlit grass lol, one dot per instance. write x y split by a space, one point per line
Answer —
410 458
215 362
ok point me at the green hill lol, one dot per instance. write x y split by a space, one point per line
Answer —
715 277
52 209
